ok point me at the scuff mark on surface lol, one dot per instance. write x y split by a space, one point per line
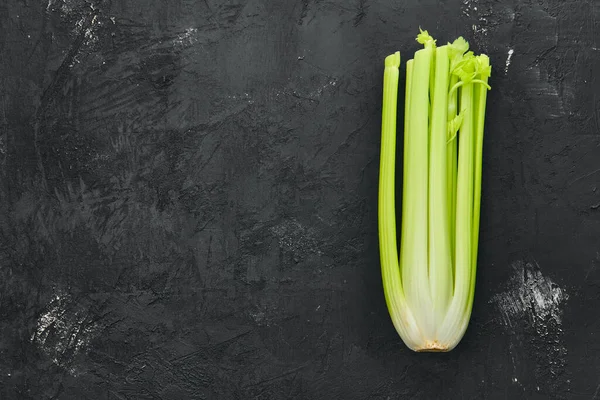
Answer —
70 10
65 6
50 5
84 21
264 315
186 39
469 6
64 330
296 238
480 30
471 9
531 312
319 91
532 296
550 76
541 85
91 36
508 60
259 317
487 19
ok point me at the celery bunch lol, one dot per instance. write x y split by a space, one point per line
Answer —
429 289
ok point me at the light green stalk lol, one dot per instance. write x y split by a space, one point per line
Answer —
440 255
452 162
402 316
464 216
480 99
468 195
456 51
414 244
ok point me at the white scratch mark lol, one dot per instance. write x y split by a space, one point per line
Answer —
508 60
186 39
319 91
541 85
67 6
260 318
296 238
531 296
480 30
64 330
532 306
90 34
596 392
68 12
245 97
469 6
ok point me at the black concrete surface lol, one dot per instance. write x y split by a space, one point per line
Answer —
188 201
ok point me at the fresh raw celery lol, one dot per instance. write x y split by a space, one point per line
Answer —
413 246
429 288
402 316
440 255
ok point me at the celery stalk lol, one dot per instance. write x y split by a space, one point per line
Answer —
440 255
464 217
451 166
429 288
414 243
402 316
480 100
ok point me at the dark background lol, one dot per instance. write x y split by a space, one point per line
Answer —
188 201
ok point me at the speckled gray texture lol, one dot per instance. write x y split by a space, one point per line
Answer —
188 200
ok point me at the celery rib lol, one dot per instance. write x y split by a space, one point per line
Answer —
414 237
464 217
402 317
440 261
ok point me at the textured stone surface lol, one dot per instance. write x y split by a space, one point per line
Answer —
188 201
